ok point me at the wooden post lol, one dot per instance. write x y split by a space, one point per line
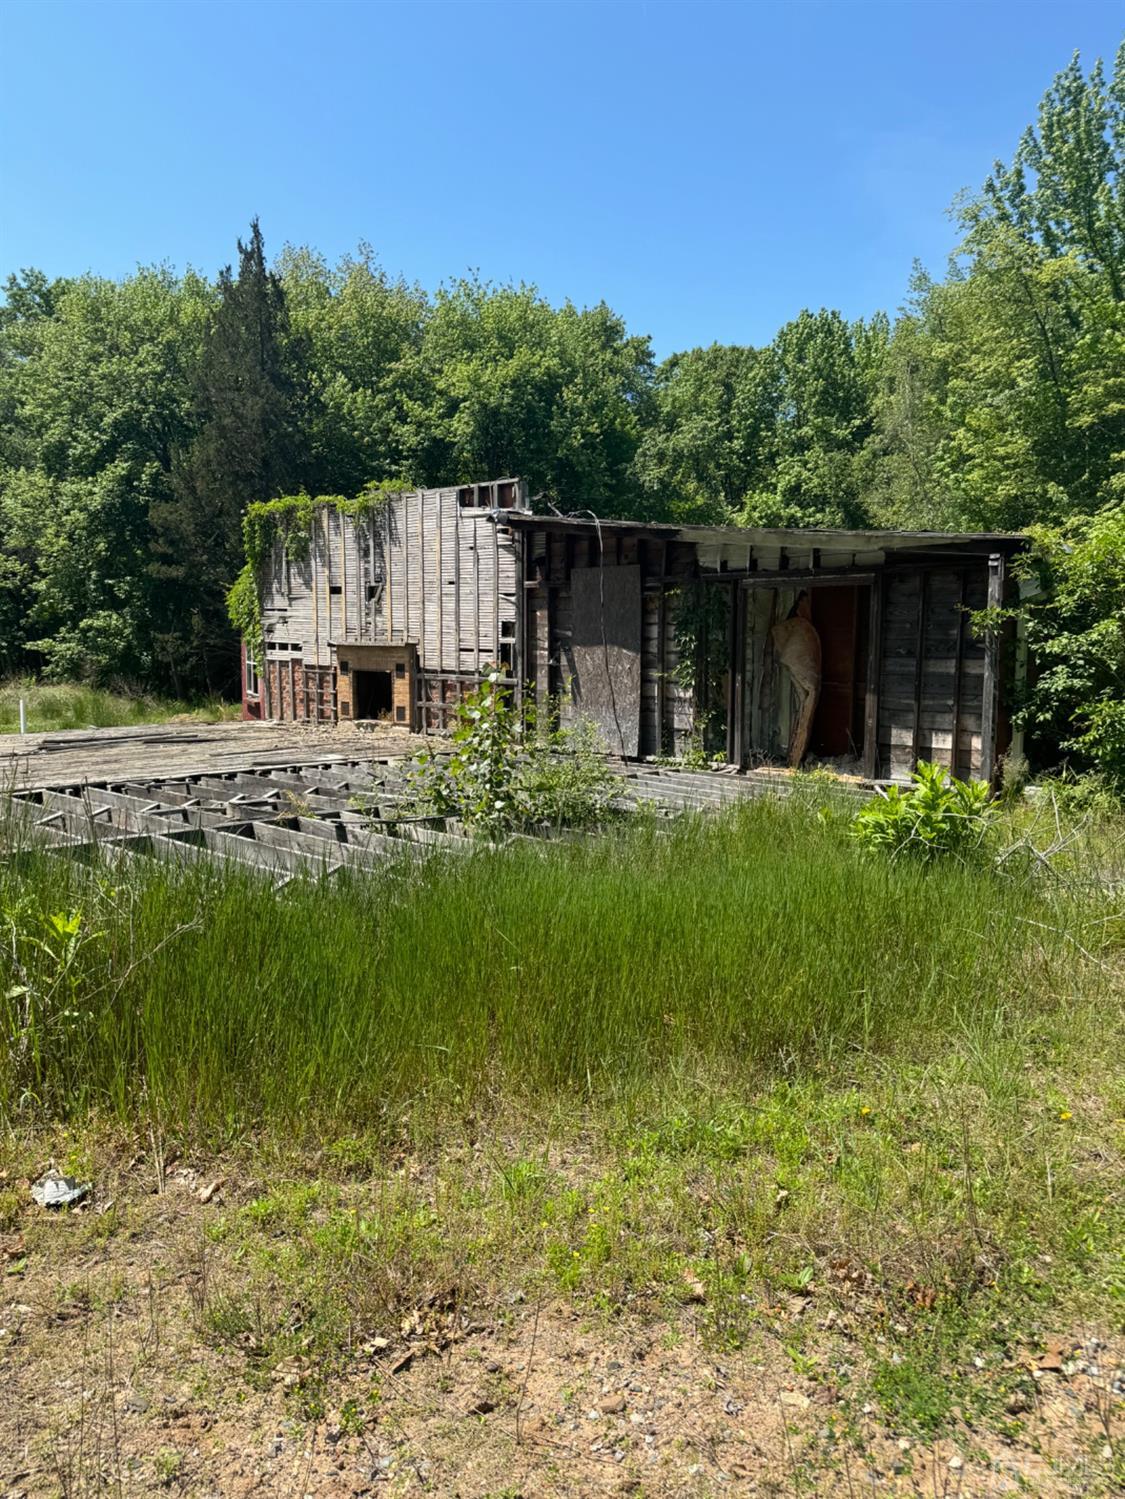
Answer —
991 687
874 666
738 673
958 659
919 653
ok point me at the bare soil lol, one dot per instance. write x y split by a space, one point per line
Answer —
114 1380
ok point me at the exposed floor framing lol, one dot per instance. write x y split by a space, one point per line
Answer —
286 820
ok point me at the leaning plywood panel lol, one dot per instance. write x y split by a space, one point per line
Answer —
607 651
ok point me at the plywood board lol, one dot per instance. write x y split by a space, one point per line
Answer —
606 651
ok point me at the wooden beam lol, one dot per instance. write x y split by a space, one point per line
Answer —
874 666
783 578
919 653
991 685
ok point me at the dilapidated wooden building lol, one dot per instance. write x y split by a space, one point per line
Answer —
852 647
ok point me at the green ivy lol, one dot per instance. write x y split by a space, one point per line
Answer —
291 518
244 607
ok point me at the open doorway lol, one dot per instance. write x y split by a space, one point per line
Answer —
839 615
372 694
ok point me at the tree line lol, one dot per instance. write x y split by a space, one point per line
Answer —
139 417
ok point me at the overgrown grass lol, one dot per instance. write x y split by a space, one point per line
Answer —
72 705
753 942
738 1063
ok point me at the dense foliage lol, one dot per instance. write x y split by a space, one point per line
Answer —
139 418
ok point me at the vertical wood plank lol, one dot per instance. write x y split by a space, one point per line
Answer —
958 658
738 674
989 703
874 667
389 580
313 548
919 655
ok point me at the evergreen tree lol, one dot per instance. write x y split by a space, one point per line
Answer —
249 412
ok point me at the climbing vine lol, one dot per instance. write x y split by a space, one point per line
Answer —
244 606
700 623
291 518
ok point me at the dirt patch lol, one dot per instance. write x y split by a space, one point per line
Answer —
131 1361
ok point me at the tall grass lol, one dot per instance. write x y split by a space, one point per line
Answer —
71 705
751 941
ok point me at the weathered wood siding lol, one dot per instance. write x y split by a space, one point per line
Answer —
430 570
931 674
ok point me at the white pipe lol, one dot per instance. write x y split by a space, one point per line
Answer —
23 717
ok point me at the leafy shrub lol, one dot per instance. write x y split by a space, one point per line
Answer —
1076 630
507 773
937 816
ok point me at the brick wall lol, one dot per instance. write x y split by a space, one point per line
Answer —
294 688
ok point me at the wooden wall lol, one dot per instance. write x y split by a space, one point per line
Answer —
932 669
434 570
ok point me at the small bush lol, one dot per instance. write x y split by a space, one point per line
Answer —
937 817
507 773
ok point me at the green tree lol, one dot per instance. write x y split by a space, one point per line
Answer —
769 437
826 371
1003 401
711 440
94 396
1076 629
363 335
250 412
507 384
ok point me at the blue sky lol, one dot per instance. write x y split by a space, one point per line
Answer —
707 169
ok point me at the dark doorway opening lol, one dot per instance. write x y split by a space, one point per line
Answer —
371 694
840 615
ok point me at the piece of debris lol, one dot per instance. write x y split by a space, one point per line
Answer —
205 1194
53 1190
479 1405
695 1291
795 1400
1052 1360
612 1405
